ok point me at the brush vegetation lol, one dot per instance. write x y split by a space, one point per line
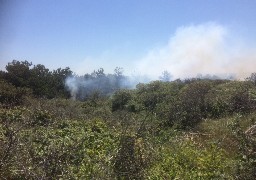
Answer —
182 129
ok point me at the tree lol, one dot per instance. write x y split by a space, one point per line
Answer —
18 73
192 99
40 81
119 71
59 77
100 73
119 77
120 99
252 78
166 76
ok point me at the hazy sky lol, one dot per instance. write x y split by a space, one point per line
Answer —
184 37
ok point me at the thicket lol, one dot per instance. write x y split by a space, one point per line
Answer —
62 83
190 129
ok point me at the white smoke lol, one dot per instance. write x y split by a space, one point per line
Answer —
206 49
72 85
81 87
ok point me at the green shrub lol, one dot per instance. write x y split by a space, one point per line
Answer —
120 99
11 125
12 96
246 157
185 159
41 118
189 108
70 150
231 97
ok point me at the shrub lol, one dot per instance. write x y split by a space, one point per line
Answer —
132 158
11 125
71 150
120 99
230 97
12 96
246 145
183 159
191 105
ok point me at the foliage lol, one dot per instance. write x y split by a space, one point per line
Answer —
131 159
64 149
18 73
12 96
230 97
246 144
183 129
42 81
153 94
120 99
184 160
166 76
192 98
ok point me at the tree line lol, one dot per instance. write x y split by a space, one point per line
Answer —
45 83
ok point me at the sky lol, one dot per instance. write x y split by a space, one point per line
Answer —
146 37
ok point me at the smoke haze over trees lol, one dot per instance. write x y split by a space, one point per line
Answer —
65 83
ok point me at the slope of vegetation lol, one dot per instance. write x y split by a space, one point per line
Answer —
191 129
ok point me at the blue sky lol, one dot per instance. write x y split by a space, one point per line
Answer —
138 35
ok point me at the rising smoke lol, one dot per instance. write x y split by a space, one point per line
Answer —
206 49
82 87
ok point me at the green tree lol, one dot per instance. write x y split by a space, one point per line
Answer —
120 99
40 81
18 73
166 76
192 99
58 77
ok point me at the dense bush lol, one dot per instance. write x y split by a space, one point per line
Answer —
42 81
185 160
246 145
12 96
192 103
191 129
120 99
64 149
230 97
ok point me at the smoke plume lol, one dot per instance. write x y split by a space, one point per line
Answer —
207 50
200 49
72 85
82 87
